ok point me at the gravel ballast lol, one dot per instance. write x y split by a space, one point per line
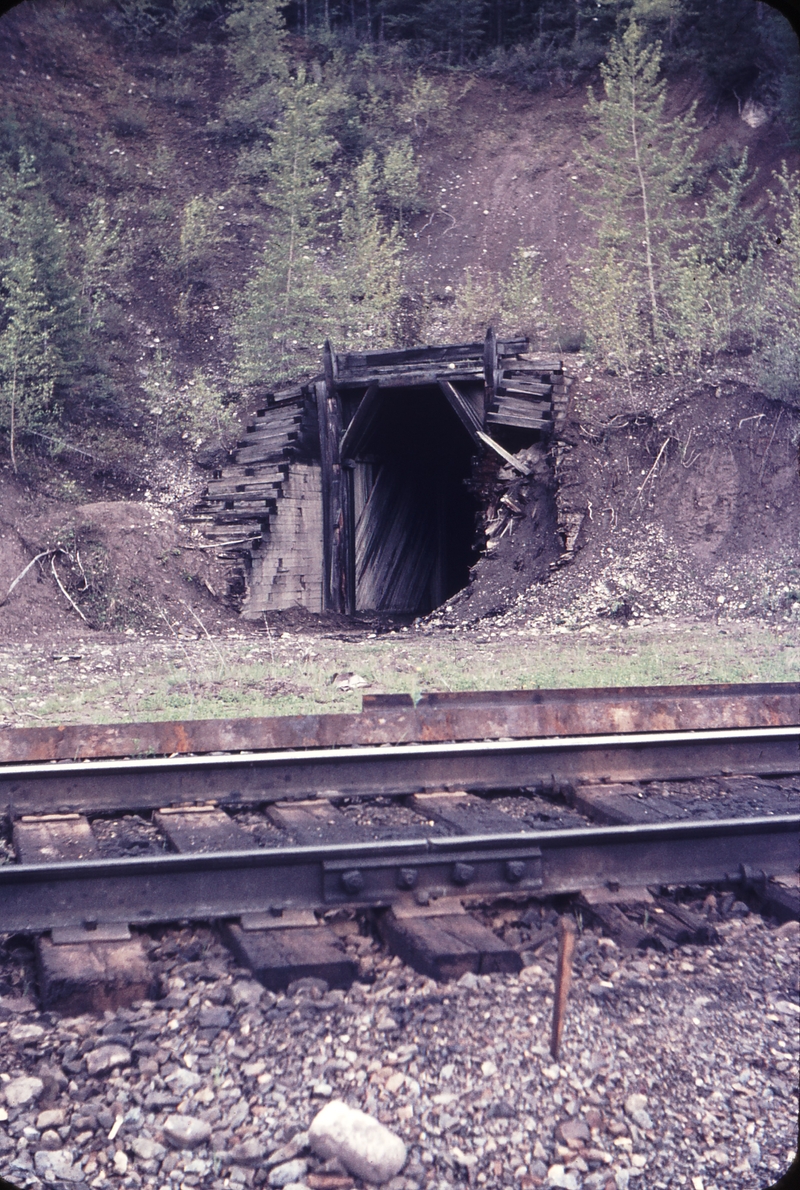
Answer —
675 1070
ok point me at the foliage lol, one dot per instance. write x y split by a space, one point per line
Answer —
642 285
522 295
367 266
285 306
400 182
780 310
256 56
100 281
196 410
39 335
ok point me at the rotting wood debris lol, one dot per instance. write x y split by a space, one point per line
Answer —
378 484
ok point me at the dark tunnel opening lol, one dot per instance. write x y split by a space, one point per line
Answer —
412 515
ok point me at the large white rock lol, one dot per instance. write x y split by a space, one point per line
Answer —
184 1132
22 1090
362 1143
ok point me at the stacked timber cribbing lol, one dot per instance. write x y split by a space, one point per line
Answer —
321 508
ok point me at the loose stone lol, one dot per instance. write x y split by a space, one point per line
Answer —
290 1171
106 1058
365 1146
58 1163
184 1132
22 1090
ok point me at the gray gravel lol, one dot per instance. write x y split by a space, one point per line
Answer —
676 1070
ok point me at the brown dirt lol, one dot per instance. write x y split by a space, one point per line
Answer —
715 519
684 501
129 567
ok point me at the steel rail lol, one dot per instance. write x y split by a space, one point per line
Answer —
433 717
235 884
479 765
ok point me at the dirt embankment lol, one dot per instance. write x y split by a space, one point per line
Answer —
668 500
121 566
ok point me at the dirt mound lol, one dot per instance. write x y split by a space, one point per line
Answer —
668 501
121 565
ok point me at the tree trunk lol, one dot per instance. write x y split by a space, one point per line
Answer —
648 246
13 415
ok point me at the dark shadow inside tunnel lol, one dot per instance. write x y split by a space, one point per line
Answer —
411 515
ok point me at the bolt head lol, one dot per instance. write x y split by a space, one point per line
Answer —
352 881
463 873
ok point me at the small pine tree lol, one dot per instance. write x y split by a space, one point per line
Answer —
29 359
100 269
40 341
400 183
521 295
256 56
638 167
780 309
285 309
369 273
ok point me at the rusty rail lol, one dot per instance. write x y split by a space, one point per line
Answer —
433 718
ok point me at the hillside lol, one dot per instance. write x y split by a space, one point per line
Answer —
664 493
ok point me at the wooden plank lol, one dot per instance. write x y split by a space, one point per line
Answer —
516 384
517 421
409 356
468 814
489 367
203 830
361 423
408 379
528 406
518 346
621 928
268 438
330 434
312 822
259 454
54 837
447 946
462 409
80 977
278 956
93 976
504 455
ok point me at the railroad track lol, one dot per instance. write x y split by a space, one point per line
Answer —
267 826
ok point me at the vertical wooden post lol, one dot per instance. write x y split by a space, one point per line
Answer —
566 950
349 543
330 433
327 480
489 369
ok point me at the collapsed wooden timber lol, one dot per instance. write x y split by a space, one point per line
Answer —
348 492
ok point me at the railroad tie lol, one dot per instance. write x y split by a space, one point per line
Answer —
83 966
441 940
277 945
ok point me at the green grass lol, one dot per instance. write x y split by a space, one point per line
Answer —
252 675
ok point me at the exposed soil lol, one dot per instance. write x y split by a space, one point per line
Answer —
669 498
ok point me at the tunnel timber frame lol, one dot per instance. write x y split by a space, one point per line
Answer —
485 391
